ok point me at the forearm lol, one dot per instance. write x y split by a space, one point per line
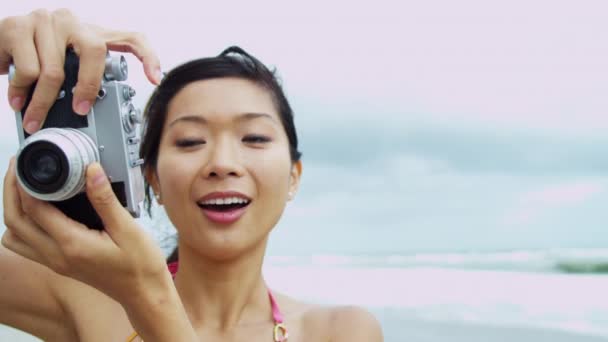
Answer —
157 314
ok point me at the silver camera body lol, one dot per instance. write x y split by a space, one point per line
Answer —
51 163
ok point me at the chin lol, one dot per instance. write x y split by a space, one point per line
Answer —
224 247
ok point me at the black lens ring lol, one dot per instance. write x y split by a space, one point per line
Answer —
29 180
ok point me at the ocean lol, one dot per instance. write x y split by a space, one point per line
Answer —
534 295
545 291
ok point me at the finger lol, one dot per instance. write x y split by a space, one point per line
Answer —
49 218
51 57
10 197
6 25
103 199
68 242
138 45
14 243
25 59
92 52
7 185
18 222
65 233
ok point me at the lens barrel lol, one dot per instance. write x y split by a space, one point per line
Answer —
51 164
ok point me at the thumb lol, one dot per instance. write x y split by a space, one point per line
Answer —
103 199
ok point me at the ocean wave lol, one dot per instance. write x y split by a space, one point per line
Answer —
592 261
526 299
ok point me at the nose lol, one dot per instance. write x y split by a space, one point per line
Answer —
223 161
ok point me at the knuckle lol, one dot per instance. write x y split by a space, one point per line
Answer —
25 75
6 239
137 38
73 252
104 197
37 110
40 14
52 74
87 89
59 265
10 23
28 73
17 28
27 207
96 47
9 221
62 13
63 20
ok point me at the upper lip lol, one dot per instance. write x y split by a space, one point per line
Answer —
223 194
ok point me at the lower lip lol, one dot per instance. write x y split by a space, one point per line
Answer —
225 217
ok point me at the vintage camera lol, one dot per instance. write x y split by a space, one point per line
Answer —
51 163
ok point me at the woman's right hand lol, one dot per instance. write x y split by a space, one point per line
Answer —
36 45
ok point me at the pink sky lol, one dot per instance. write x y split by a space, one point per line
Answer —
538 64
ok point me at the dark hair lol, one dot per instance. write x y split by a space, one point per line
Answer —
232 62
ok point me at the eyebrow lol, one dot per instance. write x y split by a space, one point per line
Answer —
203 121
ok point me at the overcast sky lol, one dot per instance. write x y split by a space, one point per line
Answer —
428 125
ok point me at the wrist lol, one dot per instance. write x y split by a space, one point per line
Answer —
151 291
157 302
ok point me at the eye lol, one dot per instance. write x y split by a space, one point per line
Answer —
256 139
189 142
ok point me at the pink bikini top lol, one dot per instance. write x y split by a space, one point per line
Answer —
279 334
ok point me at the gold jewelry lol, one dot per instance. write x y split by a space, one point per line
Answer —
132 337
280 333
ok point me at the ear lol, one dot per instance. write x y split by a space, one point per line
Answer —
294 179
152 179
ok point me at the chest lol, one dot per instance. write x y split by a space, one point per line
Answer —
103 320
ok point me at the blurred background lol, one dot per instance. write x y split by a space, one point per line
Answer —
455 172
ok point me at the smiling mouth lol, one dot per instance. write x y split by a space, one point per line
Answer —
223 207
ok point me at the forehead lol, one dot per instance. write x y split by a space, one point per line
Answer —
221 98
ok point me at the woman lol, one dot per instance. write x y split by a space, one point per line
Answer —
221 156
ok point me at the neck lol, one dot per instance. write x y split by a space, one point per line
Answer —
223 294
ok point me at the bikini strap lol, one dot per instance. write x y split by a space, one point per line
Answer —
173 266
280 333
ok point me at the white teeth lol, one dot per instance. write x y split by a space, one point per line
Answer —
227 200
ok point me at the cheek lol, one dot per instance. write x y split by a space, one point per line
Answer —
170 176
272 172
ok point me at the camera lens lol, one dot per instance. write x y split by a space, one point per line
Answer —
44 166
51 164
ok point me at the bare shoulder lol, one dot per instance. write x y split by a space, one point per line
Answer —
331 323
353 323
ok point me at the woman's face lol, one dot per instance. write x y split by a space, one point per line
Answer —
223 135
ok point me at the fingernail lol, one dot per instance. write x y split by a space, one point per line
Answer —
83 107
16 103
98 175
32 126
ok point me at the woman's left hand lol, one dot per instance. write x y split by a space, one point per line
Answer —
122 261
